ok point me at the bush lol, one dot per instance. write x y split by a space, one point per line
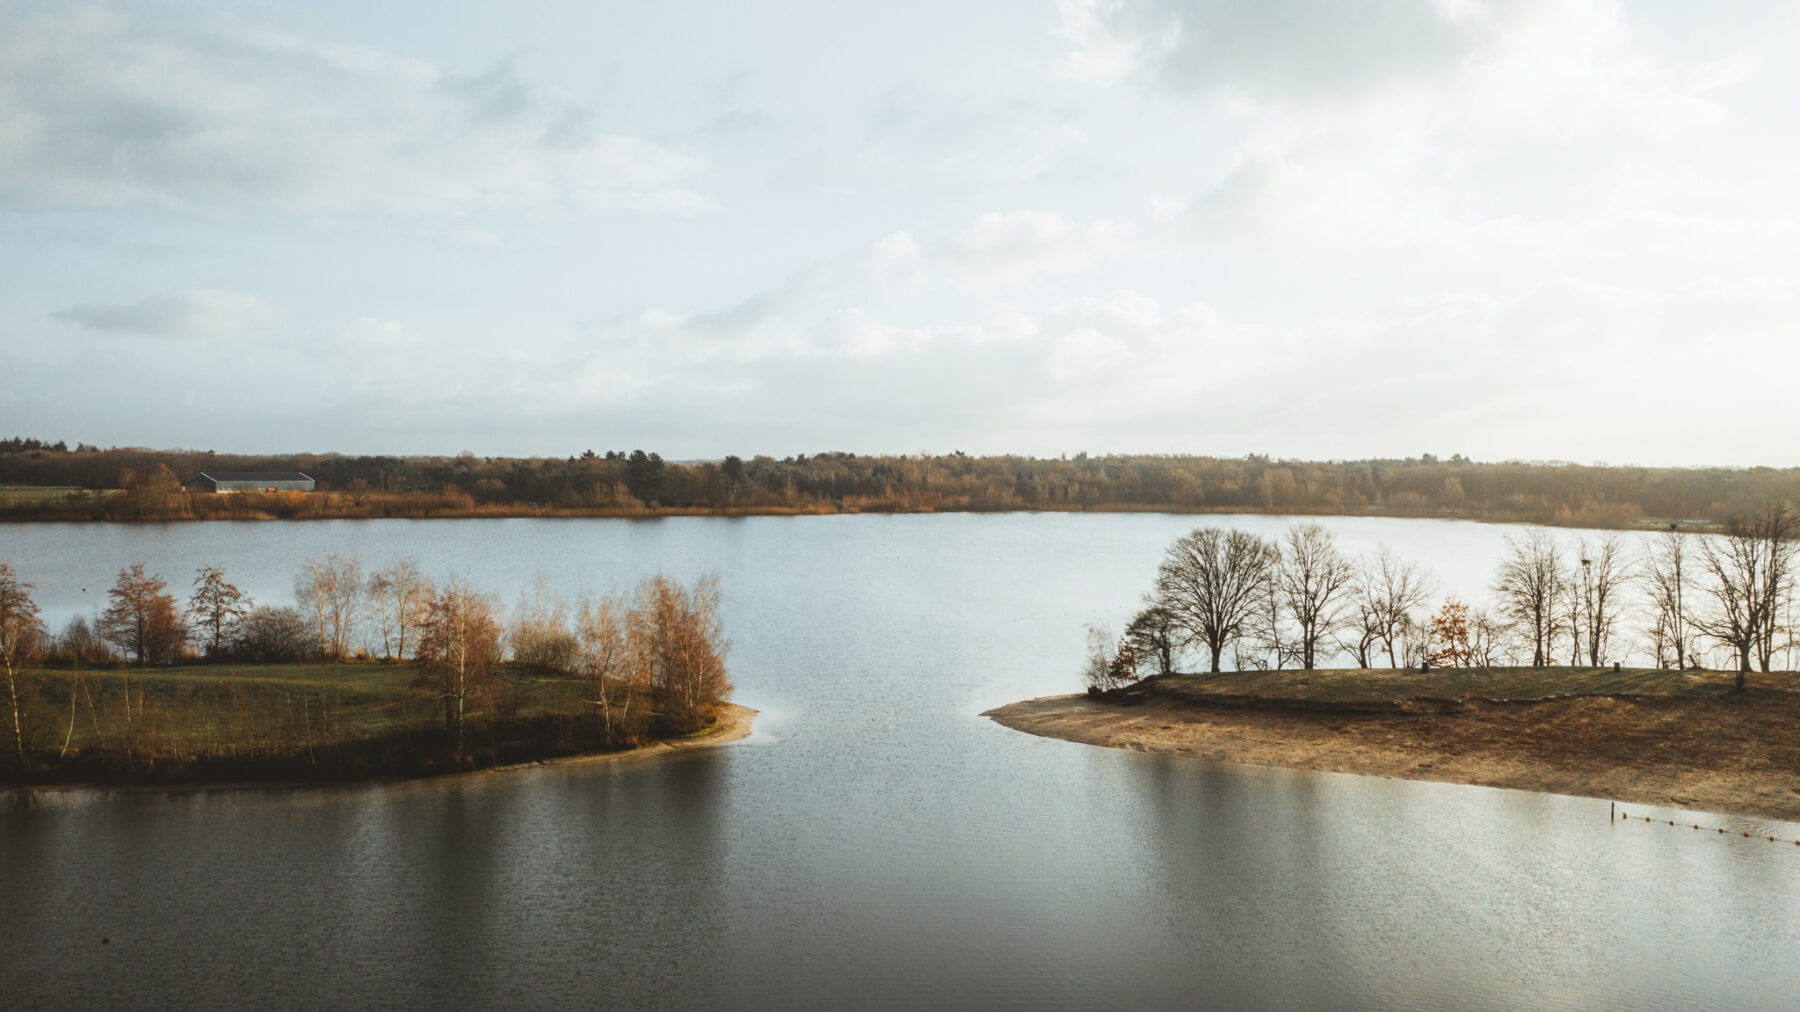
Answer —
1108 666
80 643
271 635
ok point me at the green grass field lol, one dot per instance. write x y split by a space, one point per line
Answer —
24 494
228 721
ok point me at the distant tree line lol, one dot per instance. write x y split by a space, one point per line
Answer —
1678 600
128 484
629 665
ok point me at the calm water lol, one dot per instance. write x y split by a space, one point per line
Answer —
875 842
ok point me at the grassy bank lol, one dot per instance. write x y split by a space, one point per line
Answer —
312 722
1379 689
1683 739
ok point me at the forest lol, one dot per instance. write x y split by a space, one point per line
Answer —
379 671
41 480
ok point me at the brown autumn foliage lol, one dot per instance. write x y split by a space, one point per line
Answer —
142 618
459 649
134 484
680 636
1450 631
269 705
21 637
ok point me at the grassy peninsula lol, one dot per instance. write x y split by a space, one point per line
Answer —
312 722
298 694
1678 738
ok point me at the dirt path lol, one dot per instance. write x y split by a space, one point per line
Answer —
1736 754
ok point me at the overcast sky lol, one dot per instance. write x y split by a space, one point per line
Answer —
1550 229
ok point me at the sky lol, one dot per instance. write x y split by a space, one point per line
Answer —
1533 229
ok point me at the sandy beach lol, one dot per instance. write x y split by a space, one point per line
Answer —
1728 754
733 725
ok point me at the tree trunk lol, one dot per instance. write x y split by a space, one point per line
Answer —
459 722
1217 649
74 694
18 735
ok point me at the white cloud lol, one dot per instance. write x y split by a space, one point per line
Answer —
1273 48
1004 250
1538 133
198 312
998 251
1562 371
368 336
1099 49
1313 229
475 238
922 137
109 108
896 261
1566 370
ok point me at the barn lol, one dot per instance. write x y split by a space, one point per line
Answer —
250 481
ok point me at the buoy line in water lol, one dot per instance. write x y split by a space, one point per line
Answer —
1619 815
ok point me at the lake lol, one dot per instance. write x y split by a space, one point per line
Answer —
875 842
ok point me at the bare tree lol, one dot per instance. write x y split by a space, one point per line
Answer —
1779 529
539 635
1487 638
1530 584
21 636
459 647
1389 593
328 590
1097 665
605 662
1669 572
1568 601
1314 585
1213 581
1749 572
1604 572
79 643
215 611
398 595
541 642
1363 632
142 617
1264 644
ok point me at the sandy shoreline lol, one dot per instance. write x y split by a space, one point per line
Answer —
734 724
1723 757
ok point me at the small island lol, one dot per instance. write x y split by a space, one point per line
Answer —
322 722
1687 739
370 676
